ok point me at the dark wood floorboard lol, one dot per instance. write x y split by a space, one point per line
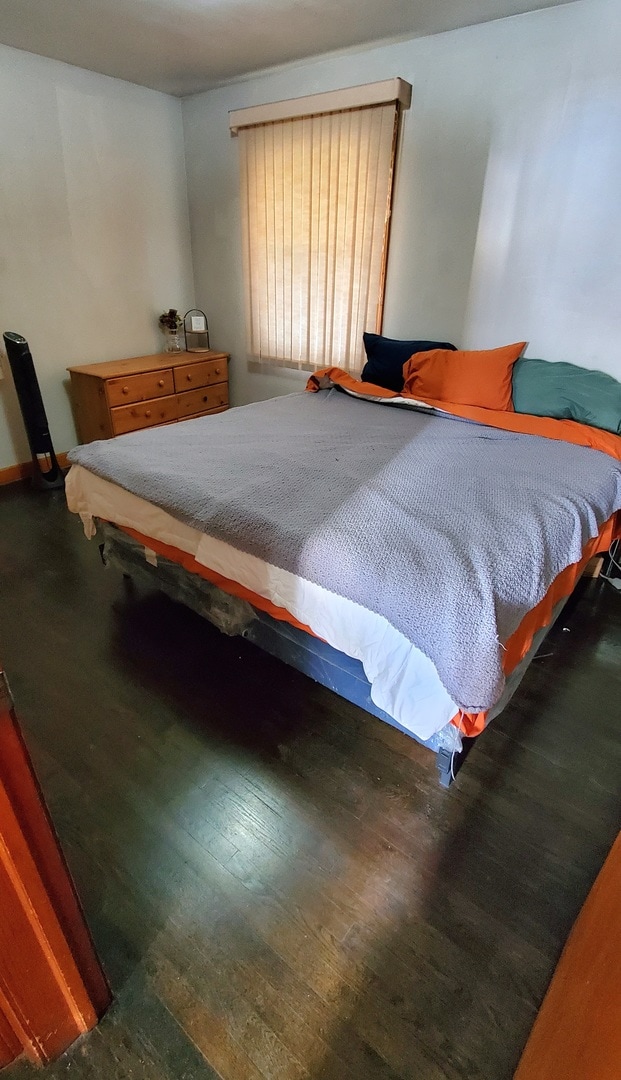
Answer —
276 884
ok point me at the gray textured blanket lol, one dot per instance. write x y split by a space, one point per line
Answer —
449 529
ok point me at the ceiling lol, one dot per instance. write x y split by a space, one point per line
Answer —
184 46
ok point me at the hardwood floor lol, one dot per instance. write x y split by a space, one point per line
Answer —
276 884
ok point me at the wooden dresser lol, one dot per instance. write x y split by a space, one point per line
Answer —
127 395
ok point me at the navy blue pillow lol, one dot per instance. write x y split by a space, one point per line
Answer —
386 357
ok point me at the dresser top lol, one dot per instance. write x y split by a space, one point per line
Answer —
137 365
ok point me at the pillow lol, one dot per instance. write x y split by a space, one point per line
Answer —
480 378
567 392
386 357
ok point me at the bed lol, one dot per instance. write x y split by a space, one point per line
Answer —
410 557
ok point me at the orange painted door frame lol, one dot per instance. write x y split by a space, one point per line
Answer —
52 988
577 1034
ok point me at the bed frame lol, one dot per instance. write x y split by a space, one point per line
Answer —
304 652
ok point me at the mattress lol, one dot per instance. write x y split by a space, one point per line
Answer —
404 682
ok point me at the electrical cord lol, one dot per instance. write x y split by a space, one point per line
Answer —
612 555
455 751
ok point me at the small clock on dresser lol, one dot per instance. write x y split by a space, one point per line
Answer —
127 395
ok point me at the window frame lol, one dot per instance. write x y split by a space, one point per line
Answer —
395 92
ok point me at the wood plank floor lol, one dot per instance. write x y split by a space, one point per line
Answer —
276 884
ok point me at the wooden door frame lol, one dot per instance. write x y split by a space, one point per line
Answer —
52 987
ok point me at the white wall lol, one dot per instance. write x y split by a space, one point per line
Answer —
506 225
507 216
94 232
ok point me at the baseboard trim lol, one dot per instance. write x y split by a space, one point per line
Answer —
23 470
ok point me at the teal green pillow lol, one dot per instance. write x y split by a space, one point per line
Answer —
567 392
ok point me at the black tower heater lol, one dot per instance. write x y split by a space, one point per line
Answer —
47 473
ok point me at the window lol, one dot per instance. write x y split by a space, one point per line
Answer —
316 193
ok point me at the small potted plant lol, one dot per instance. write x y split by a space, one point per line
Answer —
171 325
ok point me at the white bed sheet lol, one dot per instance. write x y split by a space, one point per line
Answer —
404 682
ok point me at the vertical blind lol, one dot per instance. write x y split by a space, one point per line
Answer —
316 196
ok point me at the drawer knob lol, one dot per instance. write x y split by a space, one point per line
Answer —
161 382
148 413
217 371
126 389
189 378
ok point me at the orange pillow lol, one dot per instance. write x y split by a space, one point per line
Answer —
480 378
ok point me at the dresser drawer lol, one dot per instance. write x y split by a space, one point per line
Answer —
188 376
152 384
200 401
146 414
